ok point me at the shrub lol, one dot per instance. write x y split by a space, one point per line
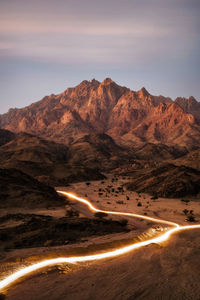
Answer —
120 202
139 204
87 183
190 218
185 211
100 215
185 200
127 198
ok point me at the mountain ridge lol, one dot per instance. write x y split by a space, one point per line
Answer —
129 117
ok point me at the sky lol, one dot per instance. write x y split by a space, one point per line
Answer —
47 46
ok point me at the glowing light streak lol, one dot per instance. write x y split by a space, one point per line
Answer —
94 209
109 254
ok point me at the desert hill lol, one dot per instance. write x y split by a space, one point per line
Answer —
92 155
192 159
158 152
167 181
99 151
46 161
18 189
131 118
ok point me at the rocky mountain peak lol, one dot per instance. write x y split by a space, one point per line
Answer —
107 81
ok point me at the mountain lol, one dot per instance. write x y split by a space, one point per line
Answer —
131 118
18 189
167 181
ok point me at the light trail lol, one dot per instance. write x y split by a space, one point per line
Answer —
94 209
109 254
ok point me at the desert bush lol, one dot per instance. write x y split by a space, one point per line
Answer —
120 202
190 218
120 188
185 200
127 198
185 211
100 215
139 204
100 194
87 183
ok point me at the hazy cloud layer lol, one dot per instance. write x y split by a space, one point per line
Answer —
113 37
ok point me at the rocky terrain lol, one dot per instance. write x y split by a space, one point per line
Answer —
130 118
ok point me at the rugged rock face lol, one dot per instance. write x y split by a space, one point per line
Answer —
190 106
131 118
